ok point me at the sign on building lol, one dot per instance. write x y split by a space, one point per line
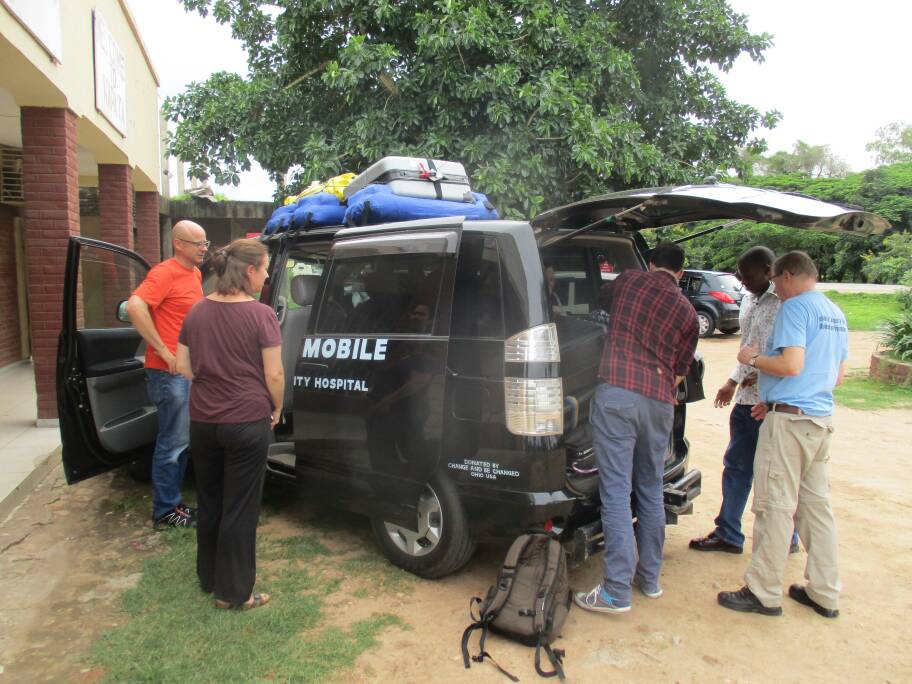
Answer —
110 75
41 18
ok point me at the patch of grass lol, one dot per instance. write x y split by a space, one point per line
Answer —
379 574
861 392
175 634
866 311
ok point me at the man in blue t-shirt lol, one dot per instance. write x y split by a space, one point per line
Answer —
803 361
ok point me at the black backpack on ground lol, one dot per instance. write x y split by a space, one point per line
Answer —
529 603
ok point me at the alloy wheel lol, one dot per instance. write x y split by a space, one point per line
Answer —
429 529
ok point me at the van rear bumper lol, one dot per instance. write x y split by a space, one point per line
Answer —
503 514
587 539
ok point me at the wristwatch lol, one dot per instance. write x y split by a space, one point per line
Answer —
753 361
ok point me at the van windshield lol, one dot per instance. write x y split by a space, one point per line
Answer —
392 293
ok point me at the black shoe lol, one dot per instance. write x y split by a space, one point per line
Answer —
744 601
176 517
798 593
713 543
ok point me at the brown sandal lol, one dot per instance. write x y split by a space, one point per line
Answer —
256 600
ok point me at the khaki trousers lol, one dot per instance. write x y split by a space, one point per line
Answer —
791 486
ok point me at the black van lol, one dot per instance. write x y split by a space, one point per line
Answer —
432 383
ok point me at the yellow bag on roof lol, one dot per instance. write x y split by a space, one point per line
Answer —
333 186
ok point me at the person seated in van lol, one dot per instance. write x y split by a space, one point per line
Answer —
602 314
557 306
383 307
338 306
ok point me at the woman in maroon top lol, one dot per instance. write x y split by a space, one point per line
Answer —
230 348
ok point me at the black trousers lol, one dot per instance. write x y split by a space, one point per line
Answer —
229 460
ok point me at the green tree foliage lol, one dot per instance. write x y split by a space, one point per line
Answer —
816 161
544 101
893 263
893 143
885 190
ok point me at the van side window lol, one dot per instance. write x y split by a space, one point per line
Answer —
390 293
477 297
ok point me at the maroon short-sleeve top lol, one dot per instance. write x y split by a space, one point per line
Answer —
226 342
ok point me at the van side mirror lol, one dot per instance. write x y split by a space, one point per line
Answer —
121 313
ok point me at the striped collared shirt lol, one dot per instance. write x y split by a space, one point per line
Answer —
756 317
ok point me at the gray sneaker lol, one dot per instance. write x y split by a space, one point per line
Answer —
599 601
650 592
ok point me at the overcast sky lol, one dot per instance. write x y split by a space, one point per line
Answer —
837 71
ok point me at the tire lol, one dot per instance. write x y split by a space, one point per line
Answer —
706 323
441 546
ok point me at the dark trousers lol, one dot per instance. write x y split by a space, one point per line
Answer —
738 474
229 460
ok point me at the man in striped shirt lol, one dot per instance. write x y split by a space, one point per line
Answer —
649 346
758 313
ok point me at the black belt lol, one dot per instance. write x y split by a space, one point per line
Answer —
784 408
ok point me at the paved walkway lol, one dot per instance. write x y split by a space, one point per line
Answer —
27 452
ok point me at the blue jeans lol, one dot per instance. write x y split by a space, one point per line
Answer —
630 436
738 474
171 396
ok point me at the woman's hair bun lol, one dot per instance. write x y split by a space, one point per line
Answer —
219 261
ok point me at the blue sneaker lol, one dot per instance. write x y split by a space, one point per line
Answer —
599 601
650 592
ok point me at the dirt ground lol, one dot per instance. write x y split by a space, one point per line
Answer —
68 552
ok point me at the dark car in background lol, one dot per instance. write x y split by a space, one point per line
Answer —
717 298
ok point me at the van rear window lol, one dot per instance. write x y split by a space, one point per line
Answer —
388 294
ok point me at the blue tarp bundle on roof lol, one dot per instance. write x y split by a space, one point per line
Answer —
312 211
379 204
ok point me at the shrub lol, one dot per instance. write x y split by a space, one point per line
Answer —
897 336
905 297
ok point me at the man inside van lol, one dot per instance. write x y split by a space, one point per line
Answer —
157 309
802 363
650 343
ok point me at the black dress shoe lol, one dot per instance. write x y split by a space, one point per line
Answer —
744 601
798 593
713 543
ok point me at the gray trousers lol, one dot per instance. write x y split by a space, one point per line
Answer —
630 435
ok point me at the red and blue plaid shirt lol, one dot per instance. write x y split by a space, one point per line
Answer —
652 335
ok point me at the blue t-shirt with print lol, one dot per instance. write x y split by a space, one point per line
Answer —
816 324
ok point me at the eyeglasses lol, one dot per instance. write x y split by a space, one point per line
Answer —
197 243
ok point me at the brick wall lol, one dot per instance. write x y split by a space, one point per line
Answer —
148 235
10 346
115 213
51 185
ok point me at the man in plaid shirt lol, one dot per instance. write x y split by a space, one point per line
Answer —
650 343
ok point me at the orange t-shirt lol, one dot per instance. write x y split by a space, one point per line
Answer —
169 290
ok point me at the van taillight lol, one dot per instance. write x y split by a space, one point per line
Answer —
722 297
535 344
534 406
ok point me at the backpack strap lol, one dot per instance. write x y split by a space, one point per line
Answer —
556 656
507 574
554 556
